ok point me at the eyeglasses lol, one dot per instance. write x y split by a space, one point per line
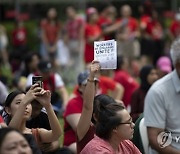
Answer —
130 122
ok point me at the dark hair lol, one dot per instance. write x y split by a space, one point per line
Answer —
108 119
144 72
8 102
101 99
120 62
11 96
4 132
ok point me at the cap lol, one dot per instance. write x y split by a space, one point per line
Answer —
44 66
164 64
83 77
91 10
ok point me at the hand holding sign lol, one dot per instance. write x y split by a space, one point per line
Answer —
106 53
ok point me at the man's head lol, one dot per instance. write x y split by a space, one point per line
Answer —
71 12
175 54
82 80
126 11
44 68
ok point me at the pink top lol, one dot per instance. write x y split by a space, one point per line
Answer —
100 146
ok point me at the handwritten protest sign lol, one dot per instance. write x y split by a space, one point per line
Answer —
106 53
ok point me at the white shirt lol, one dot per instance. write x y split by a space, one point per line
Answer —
162 105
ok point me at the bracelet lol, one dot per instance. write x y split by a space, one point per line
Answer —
90 80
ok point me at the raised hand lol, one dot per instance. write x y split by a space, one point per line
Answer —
45 98
94 69
32 93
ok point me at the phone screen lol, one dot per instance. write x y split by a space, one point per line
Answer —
37 79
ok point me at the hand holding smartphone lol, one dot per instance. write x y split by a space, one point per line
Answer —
37 79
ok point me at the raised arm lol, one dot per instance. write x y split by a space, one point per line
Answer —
55 132
88 97
16 121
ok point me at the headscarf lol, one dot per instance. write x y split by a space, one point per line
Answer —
145 71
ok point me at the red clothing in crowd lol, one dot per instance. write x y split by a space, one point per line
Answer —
144 20
51 30
100 146
175 28
132 24
104 22
1 119
73 28
74 106
155 30
129 84
19 36
90 31
106 84
88 137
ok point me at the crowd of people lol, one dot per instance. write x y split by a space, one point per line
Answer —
101 109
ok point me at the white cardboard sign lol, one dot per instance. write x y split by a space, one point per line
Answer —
106 53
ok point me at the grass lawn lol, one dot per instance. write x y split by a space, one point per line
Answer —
61 121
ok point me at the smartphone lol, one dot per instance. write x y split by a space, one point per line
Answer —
37 79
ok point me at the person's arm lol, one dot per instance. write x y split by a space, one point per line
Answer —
55 132
88 97
118 92
152 135
91 39
73 119
112 28
16 120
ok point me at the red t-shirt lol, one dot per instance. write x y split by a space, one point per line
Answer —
73 28
106 84
19 37
175 28
1 119
132 24
51 31
90 31
144 20
155 29
129 84
74 106
88 137
100 146
104 22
